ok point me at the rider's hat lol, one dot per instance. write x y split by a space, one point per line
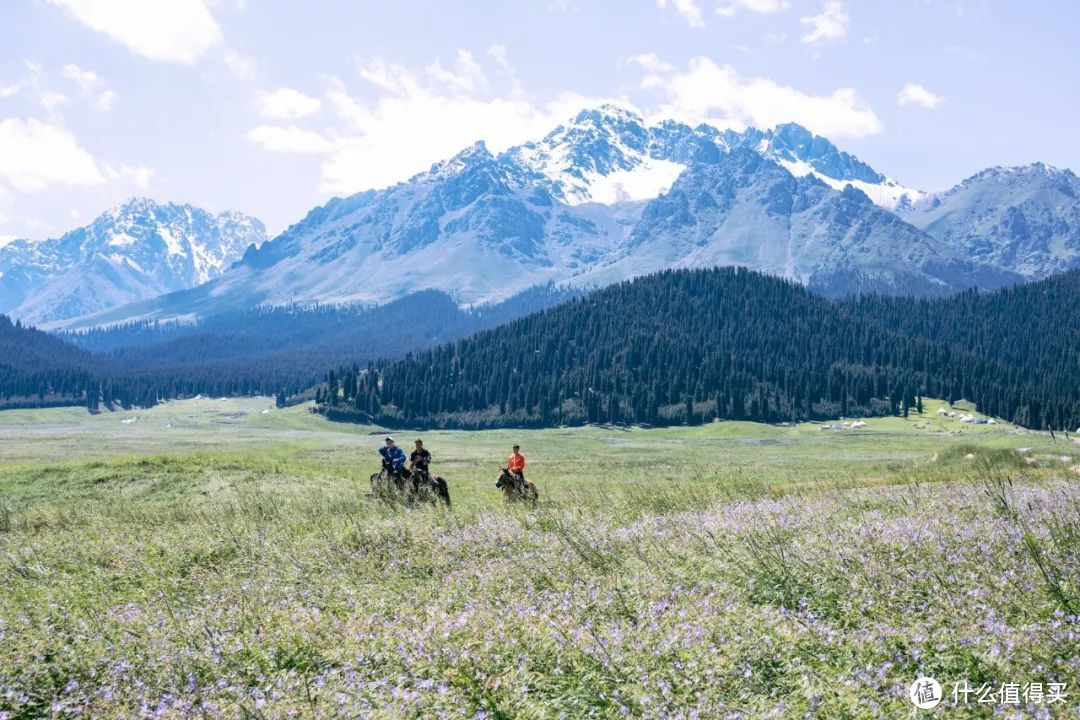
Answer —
389 438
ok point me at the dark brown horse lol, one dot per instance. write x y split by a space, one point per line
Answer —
414 486
512 489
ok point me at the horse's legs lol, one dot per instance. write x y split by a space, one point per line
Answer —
442 489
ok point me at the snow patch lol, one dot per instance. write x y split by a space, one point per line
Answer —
648 180
887 194
174 245
121 239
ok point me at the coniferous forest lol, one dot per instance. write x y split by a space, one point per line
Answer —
281 351
690 346
672 348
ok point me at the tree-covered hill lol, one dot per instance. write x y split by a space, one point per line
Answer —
279 351
693 345
37 369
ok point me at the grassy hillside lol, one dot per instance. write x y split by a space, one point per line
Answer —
220 558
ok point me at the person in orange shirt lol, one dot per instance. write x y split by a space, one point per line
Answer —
516 464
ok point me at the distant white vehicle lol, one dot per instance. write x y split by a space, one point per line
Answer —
128 421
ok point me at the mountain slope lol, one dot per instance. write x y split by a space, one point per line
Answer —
802 153
474 226
747 210
1026 218
605 197
262 351
138 250
690 346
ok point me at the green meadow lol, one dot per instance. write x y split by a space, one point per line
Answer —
222 558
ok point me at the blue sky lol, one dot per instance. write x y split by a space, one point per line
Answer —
270 108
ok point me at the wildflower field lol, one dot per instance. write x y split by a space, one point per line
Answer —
221 559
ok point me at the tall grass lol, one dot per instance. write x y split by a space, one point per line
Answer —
817 581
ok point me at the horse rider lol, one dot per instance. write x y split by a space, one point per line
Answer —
420 458
420 463
394 457
516 465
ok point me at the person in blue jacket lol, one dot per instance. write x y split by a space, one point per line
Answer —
394 456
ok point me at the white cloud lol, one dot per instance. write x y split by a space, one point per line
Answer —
140 175
499 55
289 139
37 86
106 100
242 66
7 91
465 77
689 10
913 94
286 104
409 118
764 7
87 80
167 30
831 23
52 100
34 155
89 83
707 92
421 116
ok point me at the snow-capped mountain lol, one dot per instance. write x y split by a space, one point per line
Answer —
748 210
803 153
604 197
606 155
135 251
609 154
1026 218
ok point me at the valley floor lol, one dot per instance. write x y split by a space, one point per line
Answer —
220 558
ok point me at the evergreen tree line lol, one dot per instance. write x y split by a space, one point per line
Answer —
281 351
691 346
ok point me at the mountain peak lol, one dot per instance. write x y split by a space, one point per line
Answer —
793 132
478 150
607 114
792 142
136 250
1031 172
135 204
467 157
